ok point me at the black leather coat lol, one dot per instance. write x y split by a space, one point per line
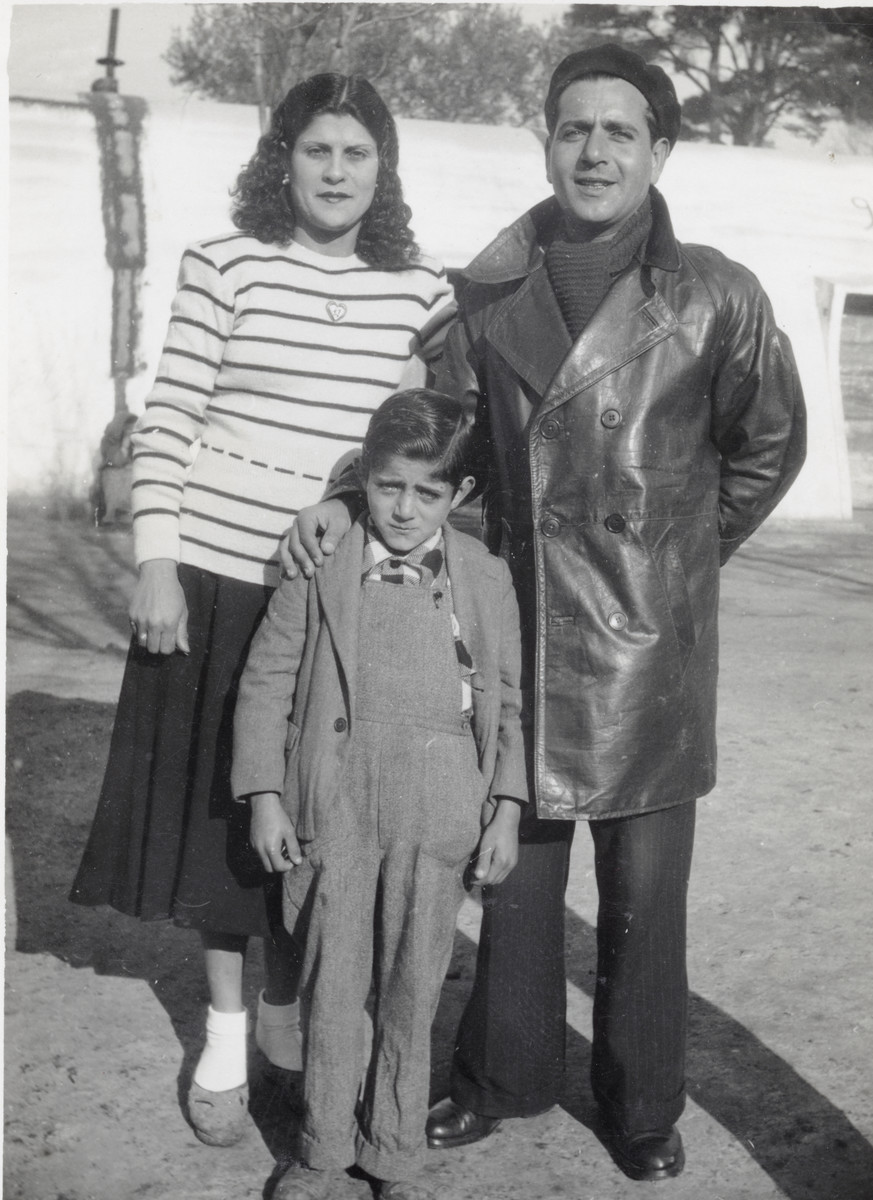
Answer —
622 470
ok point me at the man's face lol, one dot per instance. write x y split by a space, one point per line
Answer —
600 160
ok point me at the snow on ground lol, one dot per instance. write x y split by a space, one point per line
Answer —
791 217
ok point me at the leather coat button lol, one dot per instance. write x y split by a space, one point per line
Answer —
550 526
340 724
616 620
615 523
550 428
610 418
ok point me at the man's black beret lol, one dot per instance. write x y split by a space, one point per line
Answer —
612 59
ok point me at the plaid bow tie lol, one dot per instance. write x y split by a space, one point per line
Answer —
418 568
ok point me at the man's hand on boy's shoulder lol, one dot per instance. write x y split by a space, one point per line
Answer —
497 852
315 534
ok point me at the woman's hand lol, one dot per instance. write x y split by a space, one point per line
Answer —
272 833
315 535
498 845
158 612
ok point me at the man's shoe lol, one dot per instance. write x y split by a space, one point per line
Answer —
450 1125
648 1156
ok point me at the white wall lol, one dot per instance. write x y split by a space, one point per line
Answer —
60 301
789 217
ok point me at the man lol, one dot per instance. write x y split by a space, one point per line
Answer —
640 415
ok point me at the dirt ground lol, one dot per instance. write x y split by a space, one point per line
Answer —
104 1016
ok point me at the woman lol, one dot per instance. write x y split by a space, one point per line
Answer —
284 338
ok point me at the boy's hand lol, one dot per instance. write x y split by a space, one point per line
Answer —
272 833
315 534
498 845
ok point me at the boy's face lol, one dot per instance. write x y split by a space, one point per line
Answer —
408 504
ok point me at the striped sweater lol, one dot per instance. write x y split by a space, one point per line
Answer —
274 361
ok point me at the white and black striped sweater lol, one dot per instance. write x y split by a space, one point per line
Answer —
274 361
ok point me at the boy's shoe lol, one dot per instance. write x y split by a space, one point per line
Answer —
300 1182
404 1189
219 1118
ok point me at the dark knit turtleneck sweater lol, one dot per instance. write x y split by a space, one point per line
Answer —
581 272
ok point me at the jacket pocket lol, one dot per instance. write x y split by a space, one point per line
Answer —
451 799
665 554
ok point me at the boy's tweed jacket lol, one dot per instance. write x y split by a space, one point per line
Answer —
295 713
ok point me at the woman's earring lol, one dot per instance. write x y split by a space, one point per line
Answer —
286 179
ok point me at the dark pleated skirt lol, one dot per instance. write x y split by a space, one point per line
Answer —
168 839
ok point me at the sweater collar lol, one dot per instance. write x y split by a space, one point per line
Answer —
518 250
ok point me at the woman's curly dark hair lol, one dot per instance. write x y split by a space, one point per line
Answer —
262 207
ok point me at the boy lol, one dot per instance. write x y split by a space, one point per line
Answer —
377 737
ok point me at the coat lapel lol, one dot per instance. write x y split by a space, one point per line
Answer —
626 324
338 583
528 331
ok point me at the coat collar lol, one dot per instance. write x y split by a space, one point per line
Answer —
518 249
526 327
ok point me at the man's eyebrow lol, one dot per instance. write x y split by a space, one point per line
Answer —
608 123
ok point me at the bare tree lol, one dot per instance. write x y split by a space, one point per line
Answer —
750 68
471 62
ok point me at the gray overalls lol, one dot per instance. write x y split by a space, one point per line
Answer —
380 889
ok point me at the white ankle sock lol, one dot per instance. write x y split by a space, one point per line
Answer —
222 1064
277 1034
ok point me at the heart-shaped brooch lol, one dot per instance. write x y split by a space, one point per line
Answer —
336 310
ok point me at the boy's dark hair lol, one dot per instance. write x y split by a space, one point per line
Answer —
424 425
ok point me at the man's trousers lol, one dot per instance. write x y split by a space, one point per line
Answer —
509 1060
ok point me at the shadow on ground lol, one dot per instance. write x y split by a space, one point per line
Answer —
56 751
69 586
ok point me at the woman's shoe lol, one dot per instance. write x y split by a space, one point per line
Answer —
278 1035
219 1118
